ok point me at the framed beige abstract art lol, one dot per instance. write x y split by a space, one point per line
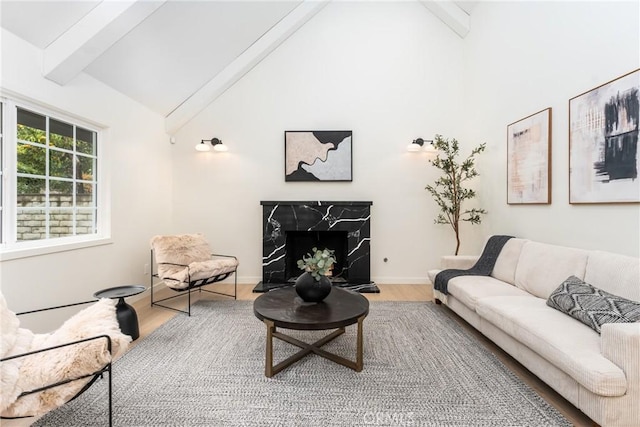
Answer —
318 155
529 159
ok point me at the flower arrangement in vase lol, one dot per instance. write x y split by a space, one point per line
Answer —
313 285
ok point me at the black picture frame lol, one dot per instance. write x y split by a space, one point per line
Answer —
318 156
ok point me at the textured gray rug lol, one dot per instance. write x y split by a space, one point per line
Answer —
420 368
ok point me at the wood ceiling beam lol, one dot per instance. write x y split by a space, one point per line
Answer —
449 13
242 64
90 37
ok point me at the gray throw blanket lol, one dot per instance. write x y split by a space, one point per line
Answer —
483 267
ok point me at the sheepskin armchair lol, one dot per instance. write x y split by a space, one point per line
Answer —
187 258
57 360
185 261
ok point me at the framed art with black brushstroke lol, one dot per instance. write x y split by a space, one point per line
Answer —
529 159
603 143
318 155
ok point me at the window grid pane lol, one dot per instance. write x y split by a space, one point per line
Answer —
1 172
85 141
60 164
32 159
61 223
31 127
85 167
85 221
56 179
31 224
60 134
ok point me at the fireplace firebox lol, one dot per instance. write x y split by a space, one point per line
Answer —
292 229
301 243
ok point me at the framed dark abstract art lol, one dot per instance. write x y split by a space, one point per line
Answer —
318 155
603 143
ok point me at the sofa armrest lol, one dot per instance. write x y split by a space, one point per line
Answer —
621 344
461 262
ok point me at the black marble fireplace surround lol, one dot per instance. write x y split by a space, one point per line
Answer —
282 217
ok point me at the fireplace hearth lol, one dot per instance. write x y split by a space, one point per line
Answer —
292 229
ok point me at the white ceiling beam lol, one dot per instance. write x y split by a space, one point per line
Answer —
449 13
90 37
248 59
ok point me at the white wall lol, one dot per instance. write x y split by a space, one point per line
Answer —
140 189
390 72
527 56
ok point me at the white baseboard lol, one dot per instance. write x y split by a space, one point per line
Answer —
401 280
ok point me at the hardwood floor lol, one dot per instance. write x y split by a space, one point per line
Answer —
152 318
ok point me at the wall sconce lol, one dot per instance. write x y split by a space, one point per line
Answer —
215 142
418 145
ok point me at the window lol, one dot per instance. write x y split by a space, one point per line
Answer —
1 168
50 183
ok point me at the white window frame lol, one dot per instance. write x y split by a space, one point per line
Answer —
9 247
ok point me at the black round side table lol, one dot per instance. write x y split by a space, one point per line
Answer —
127 317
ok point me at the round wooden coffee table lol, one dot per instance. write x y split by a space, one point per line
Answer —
284 309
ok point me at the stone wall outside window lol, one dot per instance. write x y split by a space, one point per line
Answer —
32 222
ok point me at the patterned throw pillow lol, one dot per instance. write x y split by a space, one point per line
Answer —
592 306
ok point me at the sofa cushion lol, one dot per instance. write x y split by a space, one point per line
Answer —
180 249
177 277
542 267
616 274
592 306
505 267
565 342
469 289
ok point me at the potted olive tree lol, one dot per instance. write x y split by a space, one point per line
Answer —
449 191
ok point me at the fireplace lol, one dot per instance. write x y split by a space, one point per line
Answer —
292 229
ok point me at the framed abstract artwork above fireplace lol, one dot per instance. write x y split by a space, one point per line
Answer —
318 156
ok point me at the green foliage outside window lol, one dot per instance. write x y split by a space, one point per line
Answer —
31 159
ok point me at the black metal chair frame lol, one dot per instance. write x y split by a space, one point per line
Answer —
193 284
96 374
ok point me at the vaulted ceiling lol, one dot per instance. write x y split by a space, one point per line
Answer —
175 56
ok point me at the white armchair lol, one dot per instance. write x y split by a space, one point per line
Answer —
185 262
40 372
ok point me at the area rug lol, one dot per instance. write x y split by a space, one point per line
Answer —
420 368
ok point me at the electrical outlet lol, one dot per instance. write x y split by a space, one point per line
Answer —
146 269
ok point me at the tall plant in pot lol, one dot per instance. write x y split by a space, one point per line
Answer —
313 285
449 191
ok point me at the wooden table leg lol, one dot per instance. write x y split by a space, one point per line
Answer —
268 363
359 346
270 370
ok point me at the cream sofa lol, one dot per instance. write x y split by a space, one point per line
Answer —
598 373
